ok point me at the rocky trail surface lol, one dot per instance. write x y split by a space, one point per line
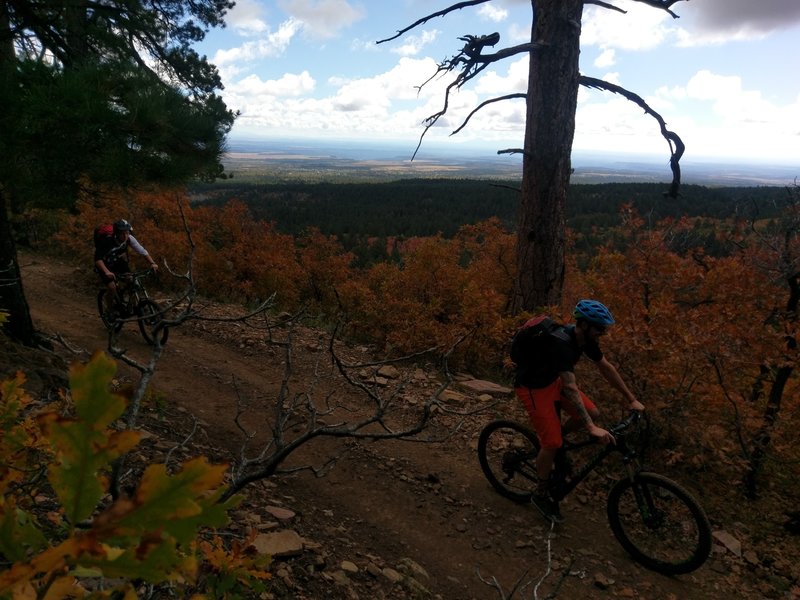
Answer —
388 519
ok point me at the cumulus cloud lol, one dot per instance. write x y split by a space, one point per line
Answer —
288 85
642 28
246 18
730 100
413 44
272 45
322 18
493 13
725 119
515 79
606 59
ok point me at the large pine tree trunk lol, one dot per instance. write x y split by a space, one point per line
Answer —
546 168
12 297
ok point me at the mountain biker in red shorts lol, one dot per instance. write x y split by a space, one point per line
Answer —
551 384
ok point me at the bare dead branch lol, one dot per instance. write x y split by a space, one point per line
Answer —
471 62
605 5
441 13
676 145
493 583
183 443
514 151
299 419
486 103
664 5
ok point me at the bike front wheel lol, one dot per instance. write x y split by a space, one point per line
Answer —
659 524
507 453
149 316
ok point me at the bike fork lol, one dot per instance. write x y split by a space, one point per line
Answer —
644 500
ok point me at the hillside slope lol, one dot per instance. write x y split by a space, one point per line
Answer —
384 508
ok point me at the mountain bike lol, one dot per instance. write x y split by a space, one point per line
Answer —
655 520
133 301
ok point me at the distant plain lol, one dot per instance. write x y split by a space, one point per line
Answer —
281 161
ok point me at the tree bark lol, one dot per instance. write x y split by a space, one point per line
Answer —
552 99
19 325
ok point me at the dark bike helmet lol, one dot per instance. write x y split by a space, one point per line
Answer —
122 225
594 312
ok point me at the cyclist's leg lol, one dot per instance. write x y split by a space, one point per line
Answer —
541 407
574 422
545 418
121 269
111 287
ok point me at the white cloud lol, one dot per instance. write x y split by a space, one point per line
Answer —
388 105
606 58
322 18
413 44
643 27
713 114
731 103
272 45
515 80
493 13
288 85
246 18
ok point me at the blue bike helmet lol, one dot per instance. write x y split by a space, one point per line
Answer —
594 312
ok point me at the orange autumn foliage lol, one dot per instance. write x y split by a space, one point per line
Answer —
697 335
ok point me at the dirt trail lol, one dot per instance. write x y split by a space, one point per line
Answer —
382 502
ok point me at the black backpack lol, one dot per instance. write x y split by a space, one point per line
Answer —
532 342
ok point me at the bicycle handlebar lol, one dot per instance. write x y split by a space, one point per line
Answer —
131 275
629 421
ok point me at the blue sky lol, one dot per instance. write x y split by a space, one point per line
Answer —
724 75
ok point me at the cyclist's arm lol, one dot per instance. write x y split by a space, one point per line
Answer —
134 243
569 389
612 376
103 268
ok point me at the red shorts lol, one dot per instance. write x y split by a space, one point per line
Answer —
541 406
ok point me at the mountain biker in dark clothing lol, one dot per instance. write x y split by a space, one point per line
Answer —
545 387
111 255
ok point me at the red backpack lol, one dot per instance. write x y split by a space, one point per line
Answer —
103 232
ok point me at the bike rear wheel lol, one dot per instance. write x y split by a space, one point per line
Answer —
111 322
149 315
659 524
507 453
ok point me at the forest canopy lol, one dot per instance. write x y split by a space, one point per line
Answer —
355 212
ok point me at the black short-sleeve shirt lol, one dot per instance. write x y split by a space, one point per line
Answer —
113 253
563 356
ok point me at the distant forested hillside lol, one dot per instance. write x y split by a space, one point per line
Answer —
423 207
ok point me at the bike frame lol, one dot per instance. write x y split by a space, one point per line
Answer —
565 485
132 292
